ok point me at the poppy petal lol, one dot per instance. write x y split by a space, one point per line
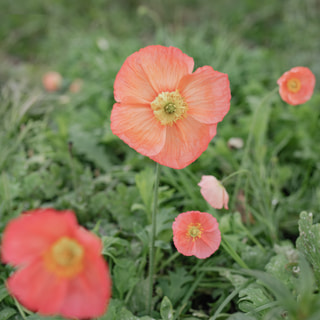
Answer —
32 233
37 289
214 192
137 126
149 71
185 142
202 245
89 293
207 93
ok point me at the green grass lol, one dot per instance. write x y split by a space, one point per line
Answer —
58 150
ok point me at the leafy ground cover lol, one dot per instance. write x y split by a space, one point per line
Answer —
57 150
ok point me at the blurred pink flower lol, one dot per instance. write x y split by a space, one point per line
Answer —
214 192
60 267
296 85
52 81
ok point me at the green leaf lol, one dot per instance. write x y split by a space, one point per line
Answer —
125 276
3 292
144 183
176 286
166 310
240 316
6 313
309 242
252 297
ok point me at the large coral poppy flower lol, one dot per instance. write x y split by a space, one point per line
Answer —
214 192
60 267
163 110
196 233
296 85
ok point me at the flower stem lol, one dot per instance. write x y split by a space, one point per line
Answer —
228 248
152 237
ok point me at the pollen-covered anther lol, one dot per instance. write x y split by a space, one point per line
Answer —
169 107
294 85
65 258
194 230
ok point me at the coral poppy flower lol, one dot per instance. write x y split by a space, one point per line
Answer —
163 110
214 192
196 233
60 267
52 81
296 85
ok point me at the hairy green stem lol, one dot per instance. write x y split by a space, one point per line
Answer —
152 238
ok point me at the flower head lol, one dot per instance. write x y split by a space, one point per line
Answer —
296 85
214 192
196 233
60 267
163 110
52 81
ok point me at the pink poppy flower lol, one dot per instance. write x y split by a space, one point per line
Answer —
296 85
196 233
214 192
163 110
60 267
52 81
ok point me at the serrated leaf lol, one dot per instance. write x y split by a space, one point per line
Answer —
166 309
125 276
252 297
308 242
175 287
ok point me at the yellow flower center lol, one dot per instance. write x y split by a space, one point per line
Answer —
194 231
294 85
65 258
168 107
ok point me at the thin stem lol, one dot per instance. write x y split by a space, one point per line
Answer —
23 315
152 240
169 260
226 246
227 300
233 174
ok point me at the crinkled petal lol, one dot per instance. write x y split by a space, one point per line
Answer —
150 71
37 289
185 141
207 244
137 126
203 246
207 93
89 293
32 233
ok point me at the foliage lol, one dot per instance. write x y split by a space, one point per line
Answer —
57 150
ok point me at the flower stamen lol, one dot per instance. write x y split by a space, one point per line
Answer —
294 85
65 258
194 230
169 107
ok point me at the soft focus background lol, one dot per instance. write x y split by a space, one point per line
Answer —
57 149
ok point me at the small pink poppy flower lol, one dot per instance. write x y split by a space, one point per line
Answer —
214 192
164 110
296 85
60 267
52 81
196 233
